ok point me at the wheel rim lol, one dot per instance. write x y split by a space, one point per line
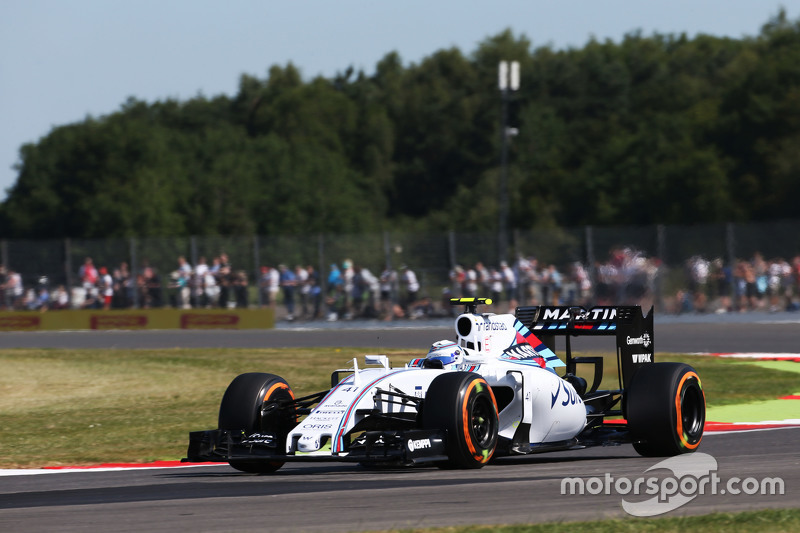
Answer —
275 419
692 412
482 422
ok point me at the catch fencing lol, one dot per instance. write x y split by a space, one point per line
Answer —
648 265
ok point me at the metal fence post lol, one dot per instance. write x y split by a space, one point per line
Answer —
323 277
451 241
590 260
134 281
730 246
257 270
661 251
387 250
193 249
4 300
68 269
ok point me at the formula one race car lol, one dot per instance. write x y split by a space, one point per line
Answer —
492 391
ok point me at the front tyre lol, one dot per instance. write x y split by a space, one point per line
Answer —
666 409
242 409
462 403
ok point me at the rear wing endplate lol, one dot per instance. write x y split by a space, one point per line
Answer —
632 330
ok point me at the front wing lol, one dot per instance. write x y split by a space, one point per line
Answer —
401 447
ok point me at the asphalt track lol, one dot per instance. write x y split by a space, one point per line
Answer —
756 332
345 497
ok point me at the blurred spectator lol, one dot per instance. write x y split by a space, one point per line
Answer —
628 276
347 276
123 289
496 290
265 295
210 288
722 277
88 275
387 282
698 281
335 298
202 267
288 284
151 287
105 288
224 279
240 289
200 297
551 285
3 276
422 308
59 299
365 288
303 289
510 285
470 283
408 280
315 291
15 291
583 283
274 287
779 285
484 280
530 280
458 280
37 299
184 267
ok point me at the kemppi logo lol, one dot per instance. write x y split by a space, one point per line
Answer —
418 444
12 323
118 321
192 321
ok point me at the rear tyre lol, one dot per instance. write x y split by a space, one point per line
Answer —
241 410
666 409
462 403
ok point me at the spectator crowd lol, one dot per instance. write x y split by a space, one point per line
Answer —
350 290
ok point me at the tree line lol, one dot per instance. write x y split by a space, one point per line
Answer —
659 129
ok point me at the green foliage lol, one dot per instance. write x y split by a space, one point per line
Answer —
653 129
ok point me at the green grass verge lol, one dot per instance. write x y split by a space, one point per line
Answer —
770 521
72 407
725 381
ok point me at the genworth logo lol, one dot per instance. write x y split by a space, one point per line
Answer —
689 476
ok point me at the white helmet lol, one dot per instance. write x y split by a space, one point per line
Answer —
445 353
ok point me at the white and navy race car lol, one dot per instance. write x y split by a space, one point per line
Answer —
497 388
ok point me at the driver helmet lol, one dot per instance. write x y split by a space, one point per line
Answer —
447 353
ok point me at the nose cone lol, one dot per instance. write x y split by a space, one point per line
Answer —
308 443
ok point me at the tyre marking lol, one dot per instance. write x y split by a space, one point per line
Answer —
484 455
679 426
277 386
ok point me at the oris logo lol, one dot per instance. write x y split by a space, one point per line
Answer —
644 340
419 444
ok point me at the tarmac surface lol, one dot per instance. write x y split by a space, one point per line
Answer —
690 333
345 497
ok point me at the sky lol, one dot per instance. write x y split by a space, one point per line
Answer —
64 60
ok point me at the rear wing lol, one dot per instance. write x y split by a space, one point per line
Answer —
632 330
